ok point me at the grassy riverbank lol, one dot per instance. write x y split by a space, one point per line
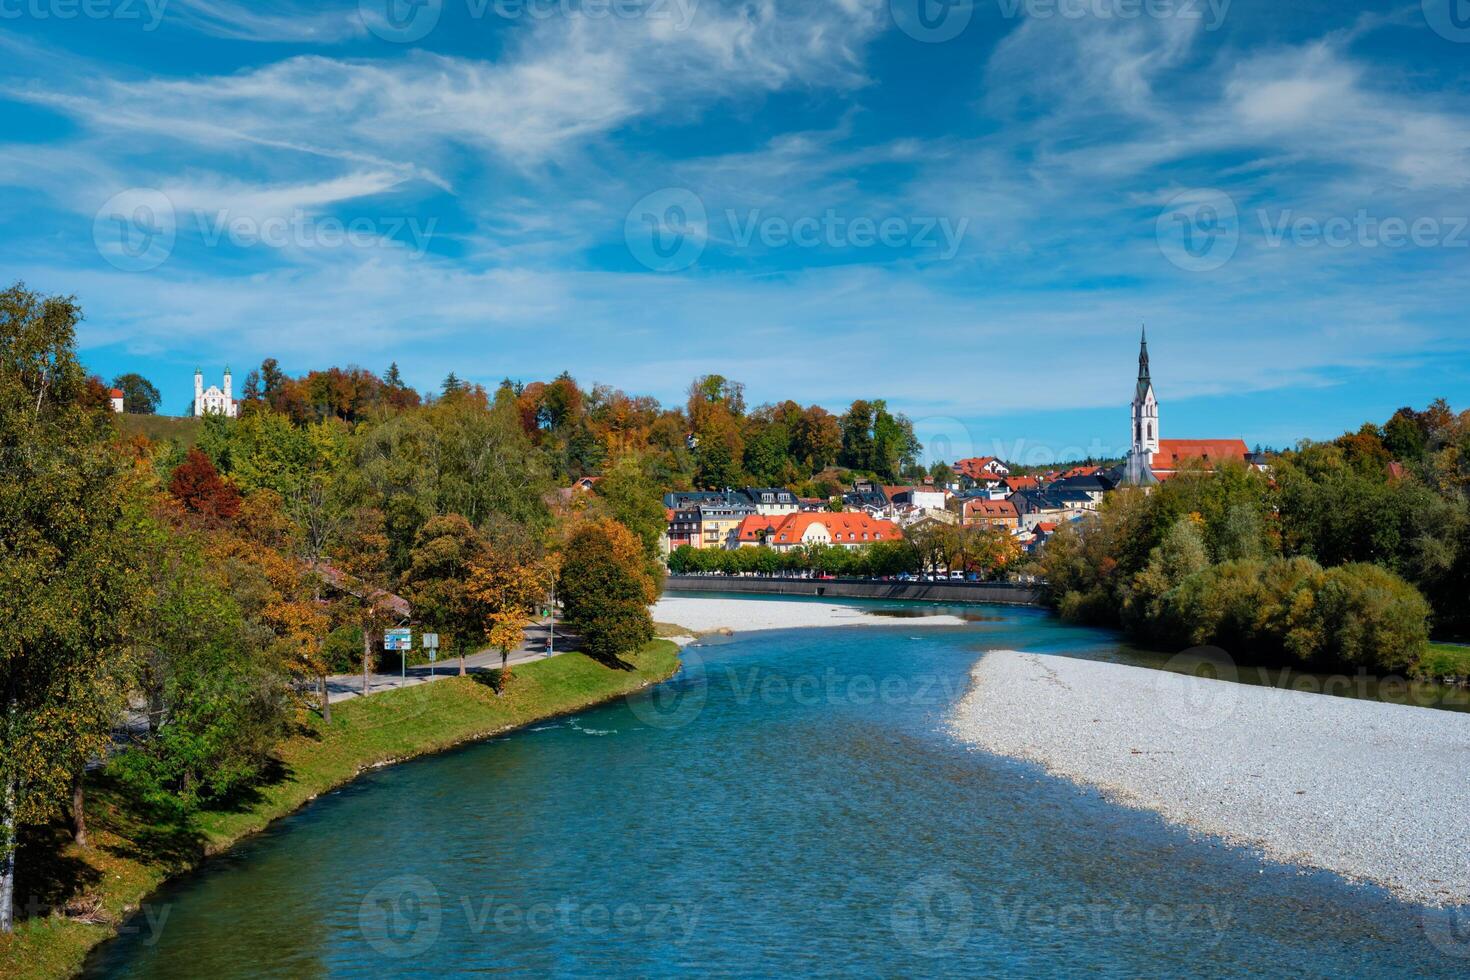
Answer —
1445 660
132 852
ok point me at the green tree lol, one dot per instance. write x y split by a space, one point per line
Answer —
437 582
139 395
605 589
630 497
68 590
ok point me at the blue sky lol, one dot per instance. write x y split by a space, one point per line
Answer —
965 208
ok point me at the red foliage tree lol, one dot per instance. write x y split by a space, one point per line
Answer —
199 487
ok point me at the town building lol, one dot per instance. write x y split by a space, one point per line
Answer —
847 530
980 468
772 501
214 400
115 399
984 512
720 522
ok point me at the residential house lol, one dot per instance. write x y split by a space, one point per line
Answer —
720 522
980 468
772 501
683 528
983 512
869 498
847 530
755 530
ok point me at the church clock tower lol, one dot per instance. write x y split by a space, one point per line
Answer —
1145 421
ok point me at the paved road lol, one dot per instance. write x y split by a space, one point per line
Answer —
343 687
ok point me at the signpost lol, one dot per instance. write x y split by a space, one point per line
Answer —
400 640
431 644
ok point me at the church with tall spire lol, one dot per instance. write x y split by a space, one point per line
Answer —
1151 458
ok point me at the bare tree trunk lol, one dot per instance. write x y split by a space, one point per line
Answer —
461 660
326 702
7 861
79 812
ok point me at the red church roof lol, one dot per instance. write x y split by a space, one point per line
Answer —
1174 452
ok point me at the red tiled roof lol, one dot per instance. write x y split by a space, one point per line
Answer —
1022 482
852 527
115 392
991 508
1173 452
755 528
975 467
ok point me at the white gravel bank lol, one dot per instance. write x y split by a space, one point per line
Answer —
1375 792
744 615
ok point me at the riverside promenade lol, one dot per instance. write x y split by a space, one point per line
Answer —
860 588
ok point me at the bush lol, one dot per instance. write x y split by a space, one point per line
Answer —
1347 617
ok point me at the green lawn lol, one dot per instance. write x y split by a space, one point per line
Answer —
1445 660
129 856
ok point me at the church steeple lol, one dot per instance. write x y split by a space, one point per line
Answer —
1145 434
1144 382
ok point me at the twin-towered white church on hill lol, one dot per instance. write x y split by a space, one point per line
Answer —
214 400
1151 458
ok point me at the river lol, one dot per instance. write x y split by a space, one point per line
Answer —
791 804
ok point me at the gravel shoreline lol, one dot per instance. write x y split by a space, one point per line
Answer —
1374 792
747 615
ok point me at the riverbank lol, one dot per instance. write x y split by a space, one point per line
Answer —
943 590
1374 792
697 615
131 854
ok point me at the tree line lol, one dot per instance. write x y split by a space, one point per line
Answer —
1346 554
172 611
925 548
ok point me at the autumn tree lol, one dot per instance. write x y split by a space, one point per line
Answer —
198 486
606 590
507 583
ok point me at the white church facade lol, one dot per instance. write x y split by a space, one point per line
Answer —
1152 458
214 400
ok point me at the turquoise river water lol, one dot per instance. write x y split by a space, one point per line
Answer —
791 804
